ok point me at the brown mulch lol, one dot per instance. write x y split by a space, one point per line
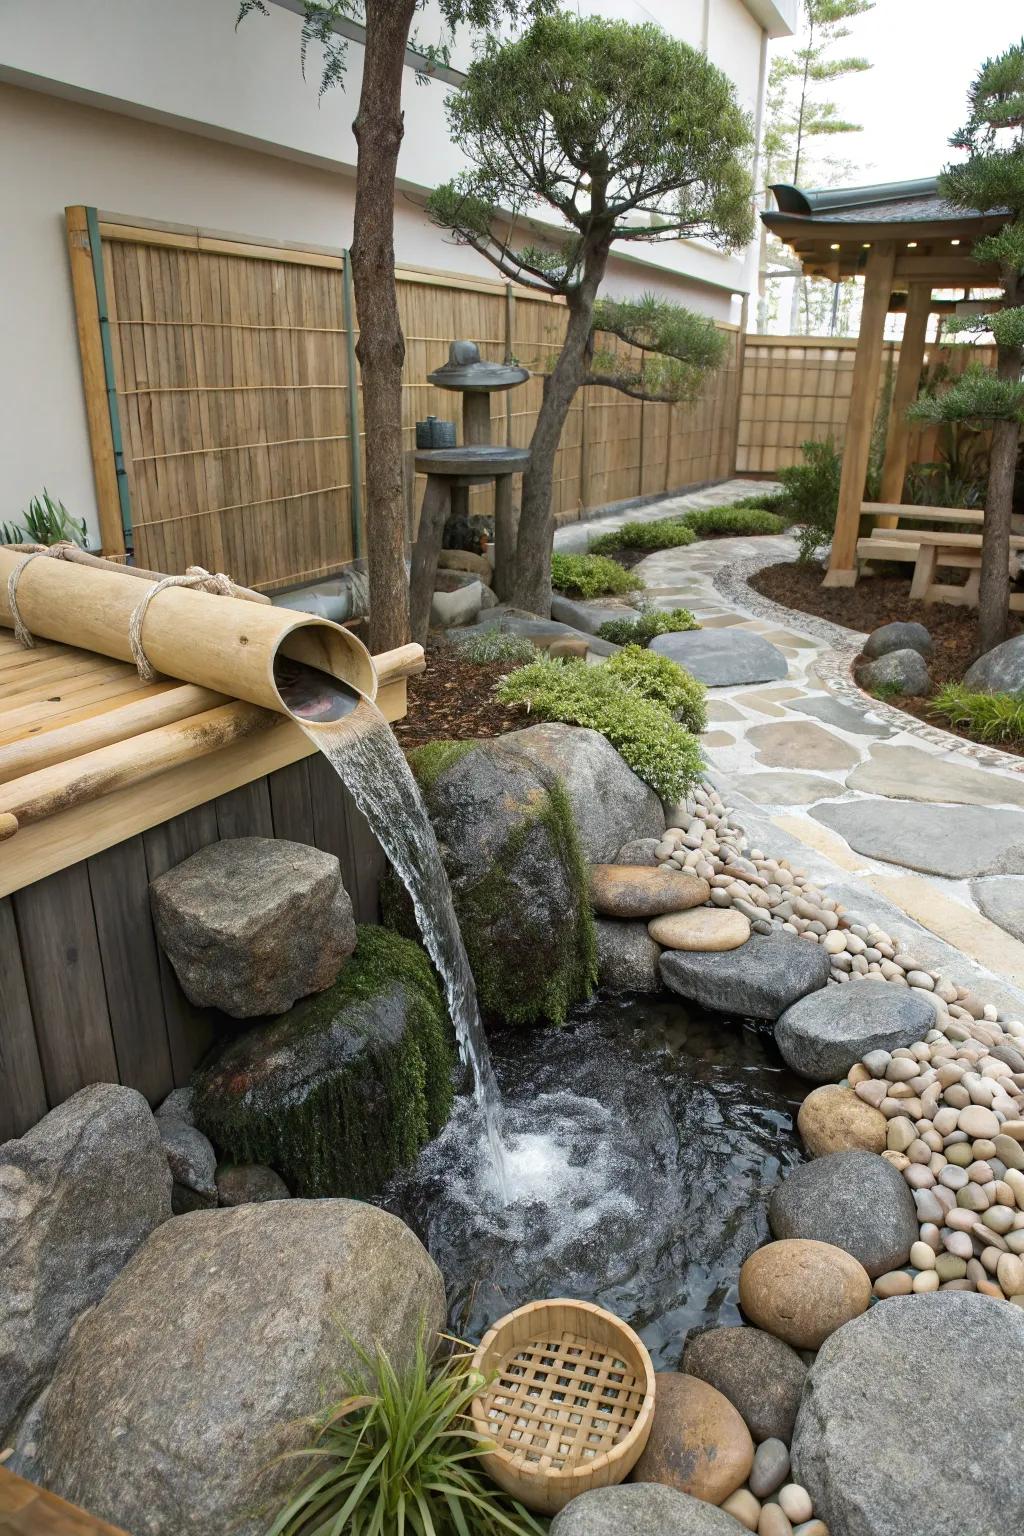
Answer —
884 599
453 698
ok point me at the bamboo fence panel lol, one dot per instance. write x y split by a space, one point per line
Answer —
232 387
797 388
231 378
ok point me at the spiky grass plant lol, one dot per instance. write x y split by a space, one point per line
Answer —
397 1456
495 645
996 717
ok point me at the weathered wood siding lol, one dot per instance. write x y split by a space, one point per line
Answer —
86 994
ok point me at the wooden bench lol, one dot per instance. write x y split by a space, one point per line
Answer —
911 512
928 550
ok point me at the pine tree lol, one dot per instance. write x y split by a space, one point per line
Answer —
991 180
625 134
797 116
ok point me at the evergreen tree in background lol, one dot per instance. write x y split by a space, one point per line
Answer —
625 134
379 128
797 115
991 180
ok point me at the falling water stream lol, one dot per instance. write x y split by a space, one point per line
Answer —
359 744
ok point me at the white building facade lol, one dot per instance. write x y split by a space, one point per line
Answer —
160 110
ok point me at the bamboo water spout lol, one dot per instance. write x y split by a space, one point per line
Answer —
219 643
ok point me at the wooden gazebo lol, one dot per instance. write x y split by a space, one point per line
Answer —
905 241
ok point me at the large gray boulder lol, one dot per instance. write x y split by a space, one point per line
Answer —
627 956
1000 670
721 657
760 980
904 671
346 1087
79 1193
853 1200
822 1036
610 805
898 636
759 1374
177 1393
642 1509
505 825
909 1423
252 923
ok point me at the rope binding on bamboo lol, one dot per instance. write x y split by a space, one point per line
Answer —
195 576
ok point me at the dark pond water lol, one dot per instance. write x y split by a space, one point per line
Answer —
644 1142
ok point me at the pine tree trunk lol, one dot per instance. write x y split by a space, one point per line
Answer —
378 129
532 587
994 595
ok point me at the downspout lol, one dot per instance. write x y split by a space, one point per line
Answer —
762 243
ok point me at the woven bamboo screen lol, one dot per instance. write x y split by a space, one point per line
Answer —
796 388
230 365
232 390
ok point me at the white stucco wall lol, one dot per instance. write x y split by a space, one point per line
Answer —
225 134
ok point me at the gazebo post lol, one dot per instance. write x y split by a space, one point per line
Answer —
908 375
881 262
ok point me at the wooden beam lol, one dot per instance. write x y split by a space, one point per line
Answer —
94 381
842 570
908 375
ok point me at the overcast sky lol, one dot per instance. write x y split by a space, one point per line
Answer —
924 55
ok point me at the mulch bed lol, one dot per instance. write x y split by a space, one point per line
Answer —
882 599
453 698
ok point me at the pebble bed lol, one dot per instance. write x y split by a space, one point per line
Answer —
954 1100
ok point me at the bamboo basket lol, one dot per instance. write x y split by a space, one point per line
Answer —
569 1401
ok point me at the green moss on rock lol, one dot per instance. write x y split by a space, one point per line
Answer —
519 880
346 1086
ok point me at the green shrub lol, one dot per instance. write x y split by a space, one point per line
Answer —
653 622
737 520
591 576
658 749
663 533
997 717
495 645
663 681
45 521
399 1453
810 495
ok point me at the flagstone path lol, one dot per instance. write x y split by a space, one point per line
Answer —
934 825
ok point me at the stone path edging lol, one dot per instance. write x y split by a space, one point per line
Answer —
835 667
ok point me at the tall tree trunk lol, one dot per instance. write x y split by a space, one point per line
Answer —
532 588
378 128
994 595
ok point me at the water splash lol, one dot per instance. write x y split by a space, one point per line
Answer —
359 744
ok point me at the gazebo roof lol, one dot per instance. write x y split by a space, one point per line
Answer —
832 229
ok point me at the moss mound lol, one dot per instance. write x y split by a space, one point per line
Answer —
345 1087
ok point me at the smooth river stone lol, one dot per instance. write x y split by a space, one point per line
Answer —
698 1444
854 1200
642 1509
800 744
704 930
759 1374
720 658
1002 902
909 1424
823 1035
956 841
834 1119
802 1291
632 891
757 981
909 773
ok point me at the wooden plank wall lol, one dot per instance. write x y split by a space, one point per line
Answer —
232 385
798 387
86 994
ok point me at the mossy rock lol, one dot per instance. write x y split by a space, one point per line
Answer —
505 828
346 1086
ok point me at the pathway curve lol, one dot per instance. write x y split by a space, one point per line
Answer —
934 826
